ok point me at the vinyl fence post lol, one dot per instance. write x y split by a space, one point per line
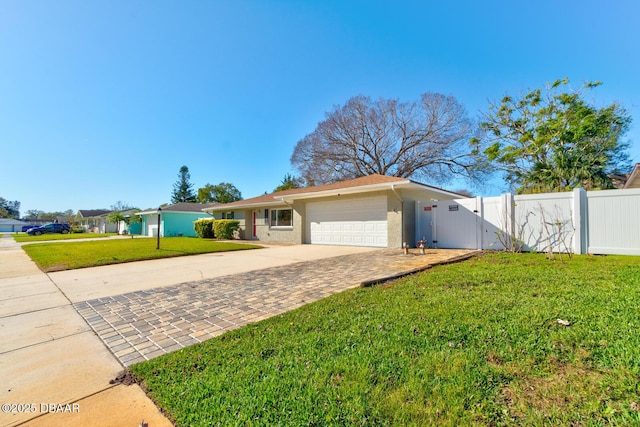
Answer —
509 218
479 211
580 237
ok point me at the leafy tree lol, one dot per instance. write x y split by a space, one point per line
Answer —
288 182
427 138
553 140
183 189
33 214
221 193
50 216
68 216
9 209
115 217
132 218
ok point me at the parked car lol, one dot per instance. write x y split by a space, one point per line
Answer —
49 229
26 228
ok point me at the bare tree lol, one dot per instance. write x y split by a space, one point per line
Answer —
428 138
121 206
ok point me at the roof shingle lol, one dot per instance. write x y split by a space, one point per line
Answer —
89 213
351 183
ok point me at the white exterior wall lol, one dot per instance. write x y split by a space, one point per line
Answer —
151 226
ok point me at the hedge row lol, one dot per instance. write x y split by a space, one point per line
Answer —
220 228
204 228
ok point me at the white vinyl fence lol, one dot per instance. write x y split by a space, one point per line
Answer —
598 222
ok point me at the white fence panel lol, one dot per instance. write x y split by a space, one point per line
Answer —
496 220
544 222
598 222
613 225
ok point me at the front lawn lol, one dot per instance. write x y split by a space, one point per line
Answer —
24 237
70 255
482 342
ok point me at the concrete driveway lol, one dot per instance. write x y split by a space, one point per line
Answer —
89 283
50 354
143 310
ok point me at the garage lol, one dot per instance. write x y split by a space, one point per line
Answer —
351 222
10 225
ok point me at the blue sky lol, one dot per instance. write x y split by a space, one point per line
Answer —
104 101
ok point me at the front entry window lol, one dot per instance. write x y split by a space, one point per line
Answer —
281 217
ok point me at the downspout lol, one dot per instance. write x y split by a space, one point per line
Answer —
393 189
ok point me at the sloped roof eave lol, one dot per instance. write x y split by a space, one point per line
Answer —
288 198
151 212
229 207
347 190
633 176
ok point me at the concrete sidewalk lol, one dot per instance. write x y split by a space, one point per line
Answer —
51 360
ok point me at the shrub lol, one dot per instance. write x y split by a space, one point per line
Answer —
226 228
204 228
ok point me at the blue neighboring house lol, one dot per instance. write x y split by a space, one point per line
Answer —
175 220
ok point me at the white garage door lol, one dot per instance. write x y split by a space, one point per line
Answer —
352 222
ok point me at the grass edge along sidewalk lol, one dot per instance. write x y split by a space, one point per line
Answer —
26 238
70 255
500 339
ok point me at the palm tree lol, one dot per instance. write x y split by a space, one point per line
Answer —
116 217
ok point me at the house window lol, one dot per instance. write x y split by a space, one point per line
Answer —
228 215
281 217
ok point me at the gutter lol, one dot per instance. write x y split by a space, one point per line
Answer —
285 201
393 188
222 208
343 191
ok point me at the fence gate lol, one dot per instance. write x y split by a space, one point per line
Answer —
455 224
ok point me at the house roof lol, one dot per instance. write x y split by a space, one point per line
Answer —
184 207
91 213
634 178
358 185
12 221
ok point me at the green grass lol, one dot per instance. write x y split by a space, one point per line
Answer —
474 343
70 255
24 237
